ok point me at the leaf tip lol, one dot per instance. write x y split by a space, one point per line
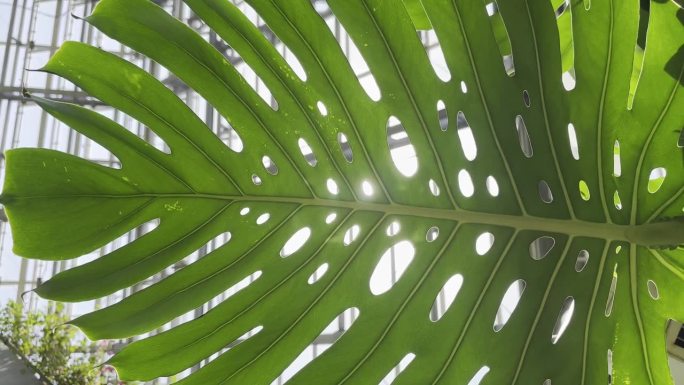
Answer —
24 294
77 17
74 322
25 91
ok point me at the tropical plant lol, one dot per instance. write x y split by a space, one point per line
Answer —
571 197
51 348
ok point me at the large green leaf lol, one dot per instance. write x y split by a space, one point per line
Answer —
627 223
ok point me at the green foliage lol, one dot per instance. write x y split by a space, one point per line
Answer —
561 196
55 350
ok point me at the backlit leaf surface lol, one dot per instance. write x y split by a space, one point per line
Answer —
502 199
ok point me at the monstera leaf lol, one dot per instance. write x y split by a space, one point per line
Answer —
568 202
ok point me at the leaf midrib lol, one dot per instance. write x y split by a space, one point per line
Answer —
571 227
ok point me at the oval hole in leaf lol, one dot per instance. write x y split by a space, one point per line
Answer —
233 290
545 193
397 369
251 333
465 184
523 137
144 228
351 234
354 57
617 201
244 211
294 63
345 147
561 9
263 218
241 65
218 241
563 320
332 333
307 152
656 179
540 247
484 243
492 186
610 366
229 136
442 116
436 56
296 241
318 274
397 258
402 151
393 229
322 108
617 167
572 138
256 180
477 378
501 36
434 188
367 188
526 98
148 135
611 292
131 235
255 82
269 165
509 65
446 296
653 289
582 260
584 190
508 304
332 186
330 218
464 87
568 79
465 136
432 234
